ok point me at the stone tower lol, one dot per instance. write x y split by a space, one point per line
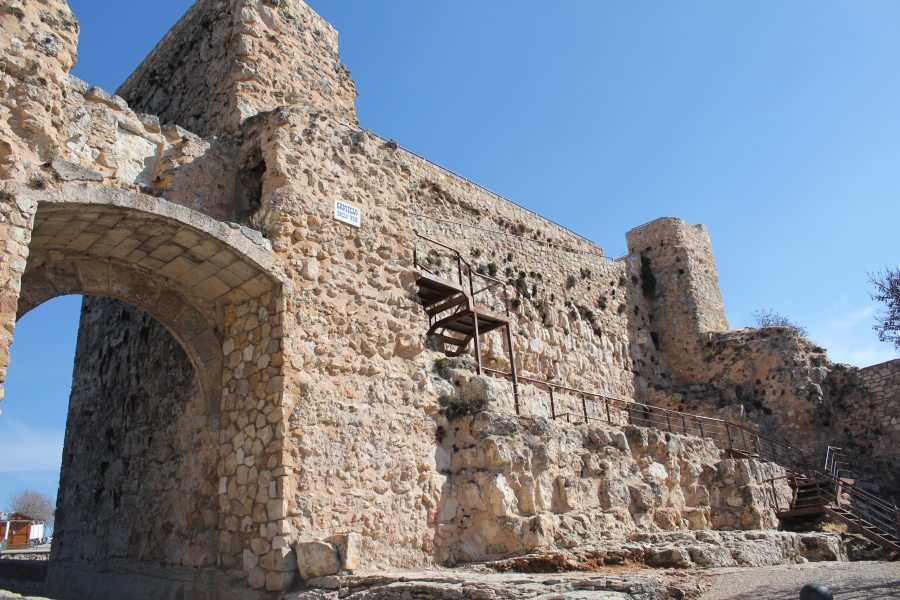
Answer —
680 285
224 62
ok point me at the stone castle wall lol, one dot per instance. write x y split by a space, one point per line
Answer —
680 286
882 382
866 423
319 384
39 42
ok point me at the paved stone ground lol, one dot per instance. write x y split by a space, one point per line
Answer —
627 583
847 581
474 582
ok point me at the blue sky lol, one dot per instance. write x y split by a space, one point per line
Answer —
773 123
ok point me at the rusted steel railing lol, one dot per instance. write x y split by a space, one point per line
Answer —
741 440
465 271
466 274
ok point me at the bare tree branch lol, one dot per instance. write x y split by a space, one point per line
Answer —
887 290
36 505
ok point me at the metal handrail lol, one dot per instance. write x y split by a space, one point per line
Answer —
863 505
731 436
460 261
837 464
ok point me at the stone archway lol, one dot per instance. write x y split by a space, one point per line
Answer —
214 288
179 266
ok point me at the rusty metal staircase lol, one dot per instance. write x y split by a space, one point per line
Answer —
454 318
833 493
452 310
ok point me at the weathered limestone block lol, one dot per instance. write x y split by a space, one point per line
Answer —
539 531
678 558
501 497
316 559
349 546
576 493
817 547
645 494
71 172
742 494
614 493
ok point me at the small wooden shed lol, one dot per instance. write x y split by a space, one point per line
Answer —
15 529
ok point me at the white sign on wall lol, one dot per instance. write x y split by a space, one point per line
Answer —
347 213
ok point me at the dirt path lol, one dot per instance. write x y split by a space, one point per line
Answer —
848 581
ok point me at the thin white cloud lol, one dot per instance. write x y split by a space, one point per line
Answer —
854 317
24 448
846 331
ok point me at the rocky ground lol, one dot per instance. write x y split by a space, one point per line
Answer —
621 583
847 581
734 565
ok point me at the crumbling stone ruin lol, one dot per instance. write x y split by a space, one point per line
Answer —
305 352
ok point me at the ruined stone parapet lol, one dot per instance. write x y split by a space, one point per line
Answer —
224 62
865 423
788 387
882 381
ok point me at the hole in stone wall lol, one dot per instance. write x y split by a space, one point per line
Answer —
648 281
248 186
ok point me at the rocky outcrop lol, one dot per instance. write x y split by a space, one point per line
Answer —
513 485
459 585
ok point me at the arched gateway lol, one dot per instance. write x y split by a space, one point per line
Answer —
144 494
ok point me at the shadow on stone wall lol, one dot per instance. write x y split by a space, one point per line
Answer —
139 462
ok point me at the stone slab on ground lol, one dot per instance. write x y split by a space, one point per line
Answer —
604 584
847 581
36 554
684 549
4 595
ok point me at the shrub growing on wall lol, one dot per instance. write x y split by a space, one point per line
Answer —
770 318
